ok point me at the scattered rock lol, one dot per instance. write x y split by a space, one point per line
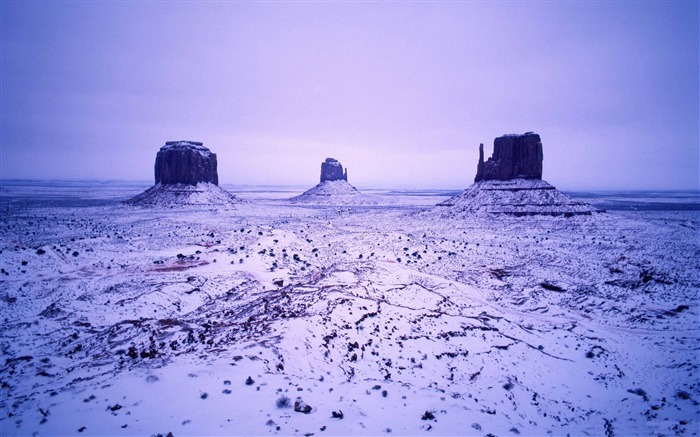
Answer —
301 407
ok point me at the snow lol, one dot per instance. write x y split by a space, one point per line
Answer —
178 195
140 321
516 197
186 145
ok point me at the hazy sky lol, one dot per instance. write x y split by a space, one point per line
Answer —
402 93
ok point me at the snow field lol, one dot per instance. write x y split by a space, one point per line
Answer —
502 325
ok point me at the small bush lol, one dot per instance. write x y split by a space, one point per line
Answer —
639 392
249 381
283 402
683 395
508 385
428 415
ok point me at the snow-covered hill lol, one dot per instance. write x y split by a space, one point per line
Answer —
518 197
134 321
178 195
336 192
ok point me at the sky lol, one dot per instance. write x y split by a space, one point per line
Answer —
401 93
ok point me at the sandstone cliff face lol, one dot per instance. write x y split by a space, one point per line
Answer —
185 162
514 157
332 170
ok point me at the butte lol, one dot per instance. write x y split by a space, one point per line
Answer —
185 174
333 187
510 182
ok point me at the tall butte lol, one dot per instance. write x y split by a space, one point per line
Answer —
514 156
185 174
510 182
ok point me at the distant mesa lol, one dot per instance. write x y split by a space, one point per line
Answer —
333 188
510 182
332 170
185 174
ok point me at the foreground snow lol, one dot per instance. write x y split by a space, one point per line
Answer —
139 321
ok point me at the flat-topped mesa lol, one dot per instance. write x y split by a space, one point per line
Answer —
332 170
185 162
514 157
185 173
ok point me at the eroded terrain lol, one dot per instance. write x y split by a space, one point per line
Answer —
133 321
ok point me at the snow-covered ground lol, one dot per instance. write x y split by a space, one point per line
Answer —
394 319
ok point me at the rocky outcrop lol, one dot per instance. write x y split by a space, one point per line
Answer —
514 157
510 182
185 173
333 189
332 170
185 162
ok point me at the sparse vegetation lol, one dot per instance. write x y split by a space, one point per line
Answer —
283 402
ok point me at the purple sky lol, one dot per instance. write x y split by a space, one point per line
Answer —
402 93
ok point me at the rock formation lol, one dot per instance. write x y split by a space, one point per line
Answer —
332 170
185 162
333 188
510 182
185 174
514 156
